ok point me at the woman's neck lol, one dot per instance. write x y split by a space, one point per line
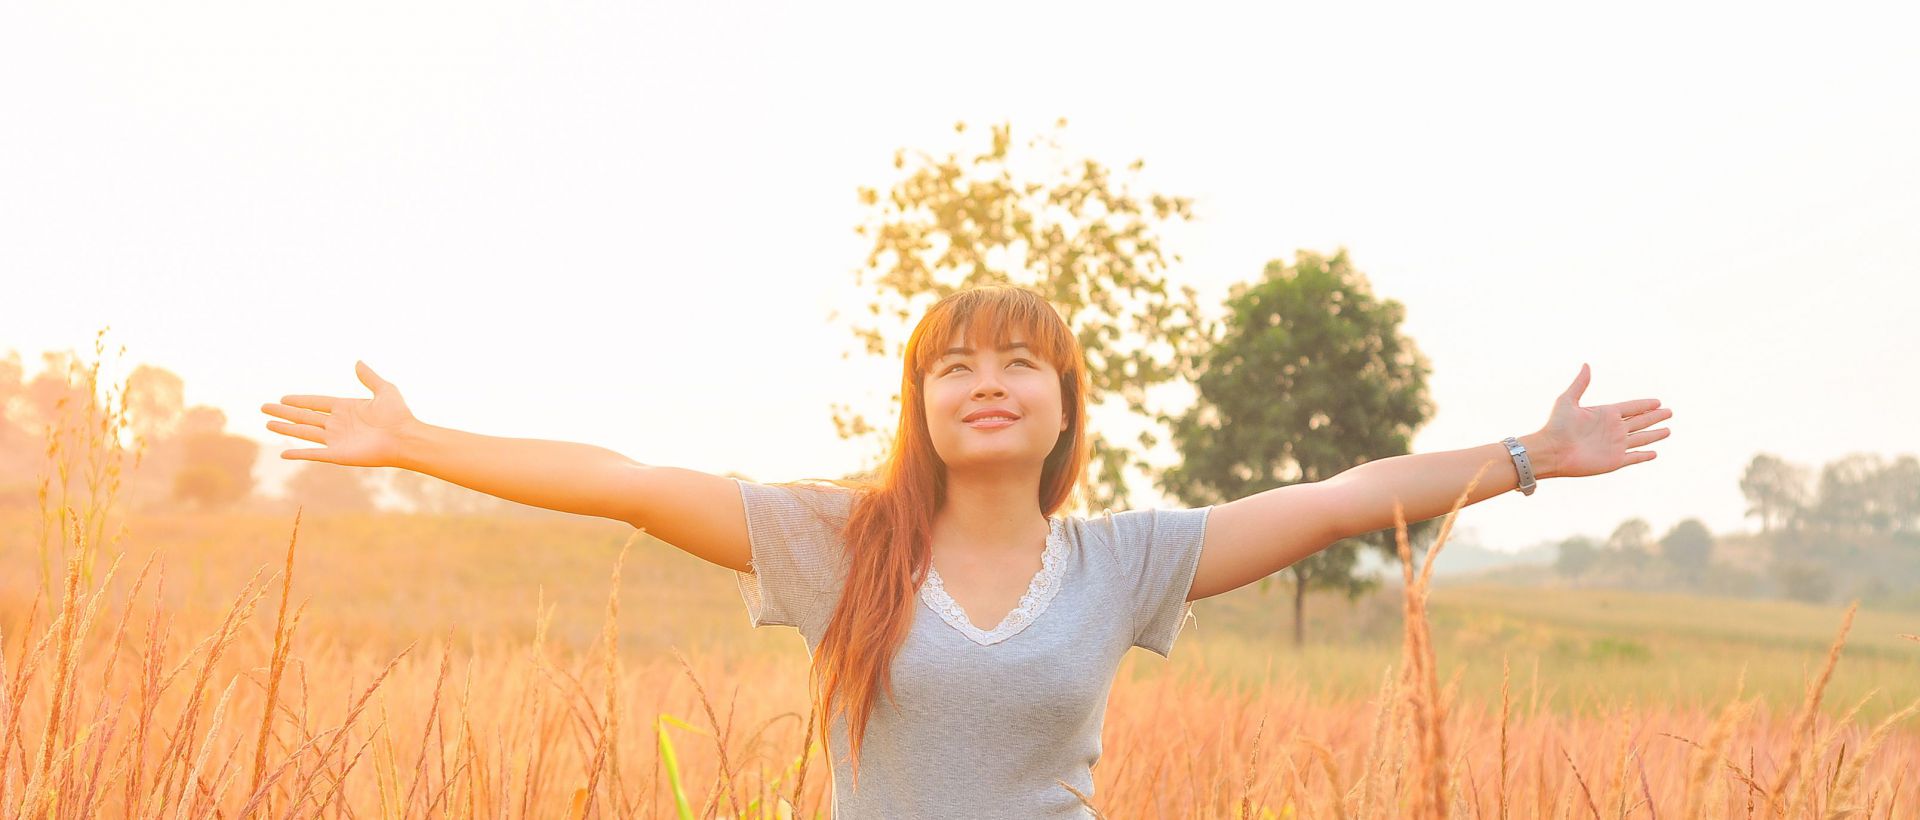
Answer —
991 513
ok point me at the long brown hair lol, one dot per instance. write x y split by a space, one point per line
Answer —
889 528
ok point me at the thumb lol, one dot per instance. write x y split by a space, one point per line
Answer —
368 377
1579 386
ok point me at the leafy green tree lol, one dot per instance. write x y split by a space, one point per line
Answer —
1776 490
1901 481
1689 547
1634 538
1849 497
1575 556
1082 238
215 467
22 449
1804 581
1308 377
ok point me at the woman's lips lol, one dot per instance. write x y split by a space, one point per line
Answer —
991 424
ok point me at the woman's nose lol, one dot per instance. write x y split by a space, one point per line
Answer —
988 387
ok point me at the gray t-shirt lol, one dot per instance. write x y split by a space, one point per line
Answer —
989 716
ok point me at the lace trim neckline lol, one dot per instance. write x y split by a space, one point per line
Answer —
1040 592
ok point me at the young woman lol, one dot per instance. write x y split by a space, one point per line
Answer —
964 633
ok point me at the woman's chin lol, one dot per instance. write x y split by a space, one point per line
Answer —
997 458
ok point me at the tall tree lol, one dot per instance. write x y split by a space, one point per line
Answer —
1632 539
21 448
1853 497
1689 547
1082 238
1308 377
156 397
1776 490
1902 482
1576 555
216 467
156 404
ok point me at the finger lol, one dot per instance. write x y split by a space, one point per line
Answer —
323 404
1637 457
295 414
299 431
1646 437
368 377
1651 417
1628 409
307 455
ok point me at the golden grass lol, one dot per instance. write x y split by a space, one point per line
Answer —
334 731
215 713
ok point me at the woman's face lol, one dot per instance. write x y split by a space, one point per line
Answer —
1015 385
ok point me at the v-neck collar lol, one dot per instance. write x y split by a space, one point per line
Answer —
1040 592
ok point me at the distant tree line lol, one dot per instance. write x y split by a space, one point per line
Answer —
1854 532
182 457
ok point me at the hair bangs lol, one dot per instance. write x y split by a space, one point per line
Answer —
997 316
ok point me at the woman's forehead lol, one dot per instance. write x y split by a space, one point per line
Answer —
997 330
962 342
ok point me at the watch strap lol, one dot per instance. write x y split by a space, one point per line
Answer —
1521 464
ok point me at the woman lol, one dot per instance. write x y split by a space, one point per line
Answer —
964 633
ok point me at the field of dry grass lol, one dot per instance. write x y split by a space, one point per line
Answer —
191 666
145 694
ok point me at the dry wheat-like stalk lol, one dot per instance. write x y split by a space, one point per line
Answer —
719 734
1802 733
1506 711
1253 766
1584 791
1332 771
806 755
1867 749
277 663
1383 718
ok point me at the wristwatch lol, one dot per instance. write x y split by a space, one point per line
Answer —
1521 464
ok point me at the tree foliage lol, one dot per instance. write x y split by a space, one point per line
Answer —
1857 494
1688 547
1082 238
215 468
1776 491
1633 537
1309 376
1576 555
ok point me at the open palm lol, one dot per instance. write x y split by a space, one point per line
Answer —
1595 440
354 432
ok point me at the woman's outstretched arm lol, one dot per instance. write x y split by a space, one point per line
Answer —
1250 538
697 512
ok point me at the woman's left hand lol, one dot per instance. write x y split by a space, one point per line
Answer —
1596 440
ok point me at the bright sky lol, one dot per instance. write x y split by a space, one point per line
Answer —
628 226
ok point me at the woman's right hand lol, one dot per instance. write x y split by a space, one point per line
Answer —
354 432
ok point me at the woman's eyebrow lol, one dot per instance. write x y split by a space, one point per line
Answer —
968 351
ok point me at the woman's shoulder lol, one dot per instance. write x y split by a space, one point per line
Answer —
1121 533
820 496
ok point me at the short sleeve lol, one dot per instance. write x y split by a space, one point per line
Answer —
795 534
1159 551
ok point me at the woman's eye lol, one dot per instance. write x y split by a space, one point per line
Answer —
953 367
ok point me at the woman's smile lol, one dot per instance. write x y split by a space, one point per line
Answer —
993 423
